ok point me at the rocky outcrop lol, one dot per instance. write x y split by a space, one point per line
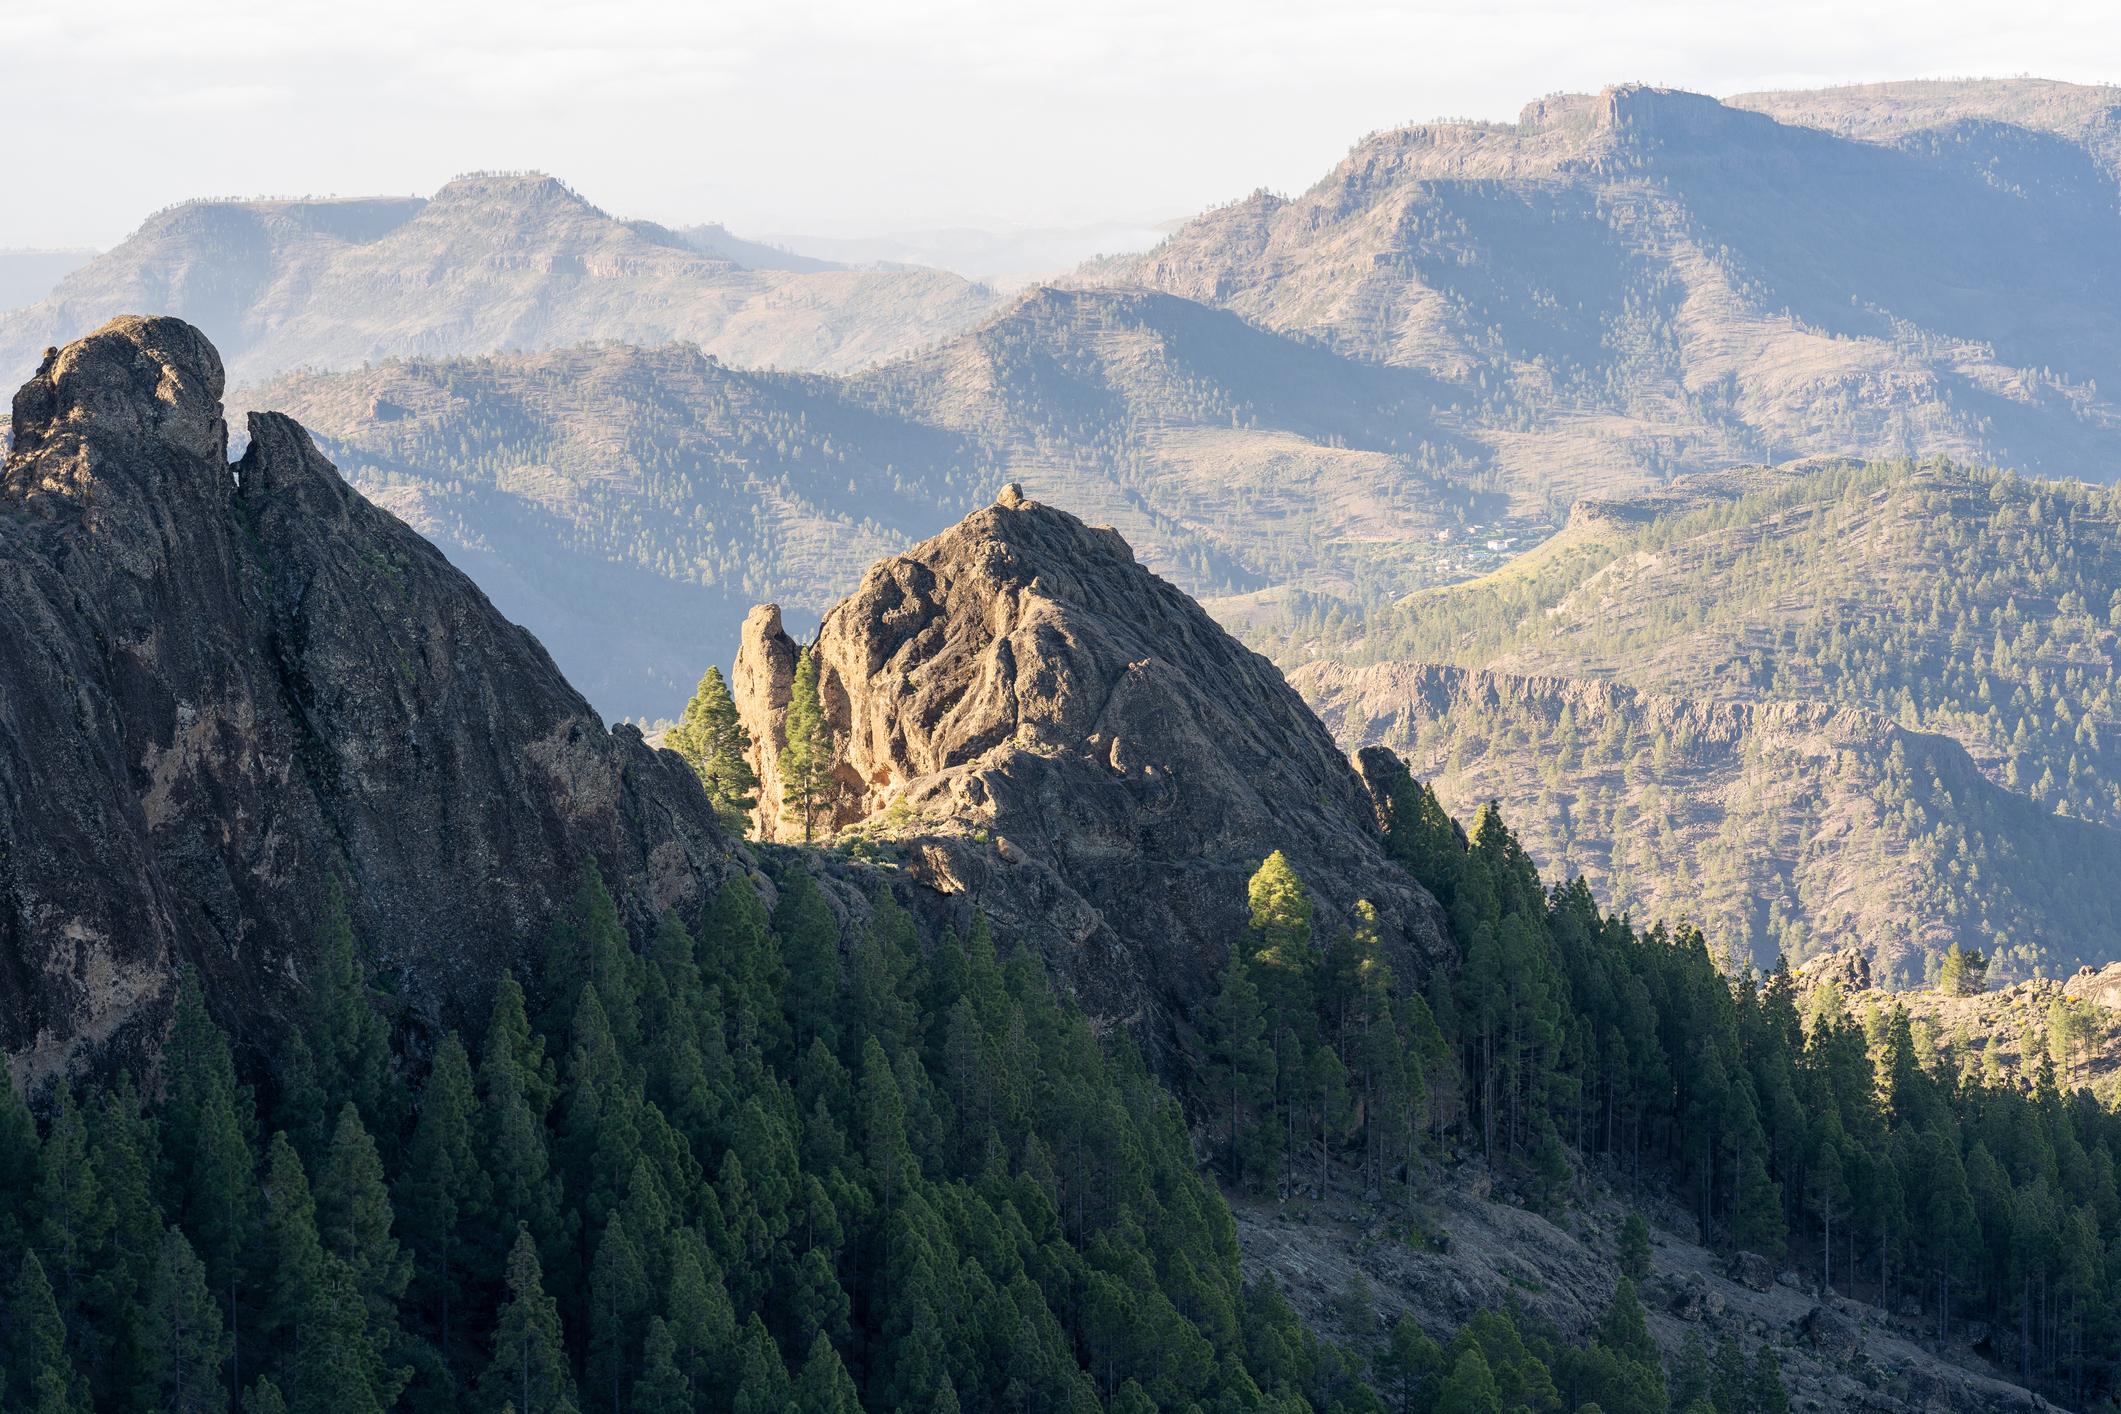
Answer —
227 687
765 675
1057 735
2100 986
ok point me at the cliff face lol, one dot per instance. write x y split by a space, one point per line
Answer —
1052 731
226 687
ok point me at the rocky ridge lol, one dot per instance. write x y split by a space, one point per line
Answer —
230 687
1042 727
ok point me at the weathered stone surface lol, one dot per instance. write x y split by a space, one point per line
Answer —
1750 1269
1066 740
1833 1335
764 675
2100 986
223 688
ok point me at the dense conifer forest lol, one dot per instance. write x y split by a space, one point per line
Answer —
811 1159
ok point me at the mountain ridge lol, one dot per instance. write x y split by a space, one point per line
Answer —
492 261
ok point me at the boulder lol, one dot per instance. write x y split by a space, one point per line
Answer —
1750 1269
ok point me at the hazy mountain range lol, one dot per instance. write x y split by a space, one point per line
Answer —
1305 409
493 261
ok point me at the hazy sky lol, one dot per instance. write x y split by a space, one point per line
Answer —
854 116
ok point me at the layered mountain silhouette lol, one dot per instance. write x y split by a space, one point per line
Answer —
491 262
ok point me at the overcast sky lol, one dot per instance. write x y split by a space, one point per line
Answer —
859 116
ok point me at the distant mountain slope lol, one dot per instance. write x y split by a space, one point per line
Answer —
1648 281
2086 114
492 262
1778 826
1824 706
628 503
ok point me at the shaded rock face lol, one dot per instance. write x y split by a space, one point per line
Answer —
1066 740
221 688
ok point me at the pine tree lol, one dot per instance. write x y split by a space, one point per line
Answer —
185 1344
1238 1066
441 1191
702 1322
661 1388
762 1384
348 1036
264 1397
354 1220
824 1387
1756 1223
1409 1361
810 951
1634 1248
1471 1387
715 744
340 1362
74 1233
19 1169
806 760
529 1365
41 1377
292 1271
618 1305
122 1153
514 1091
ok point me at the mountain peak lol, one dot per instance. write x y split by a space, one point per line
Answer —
1046 727
233 687
138 393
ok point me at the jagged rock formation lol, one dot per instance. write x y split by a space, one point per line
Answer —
1059 735
761 685
228 687
493 261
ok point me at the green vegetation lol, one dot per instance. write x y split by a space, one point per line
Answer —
786 1162
713 742
1972 604
1657 720
806 759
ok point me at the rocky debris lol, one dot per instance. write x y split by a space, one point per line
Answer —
1834 1336
1462 1254
1750 1269
228 687
1846 968
1053 733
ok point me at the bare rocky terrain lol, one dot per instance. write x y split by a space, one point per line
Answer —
1641 281
1470 1249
